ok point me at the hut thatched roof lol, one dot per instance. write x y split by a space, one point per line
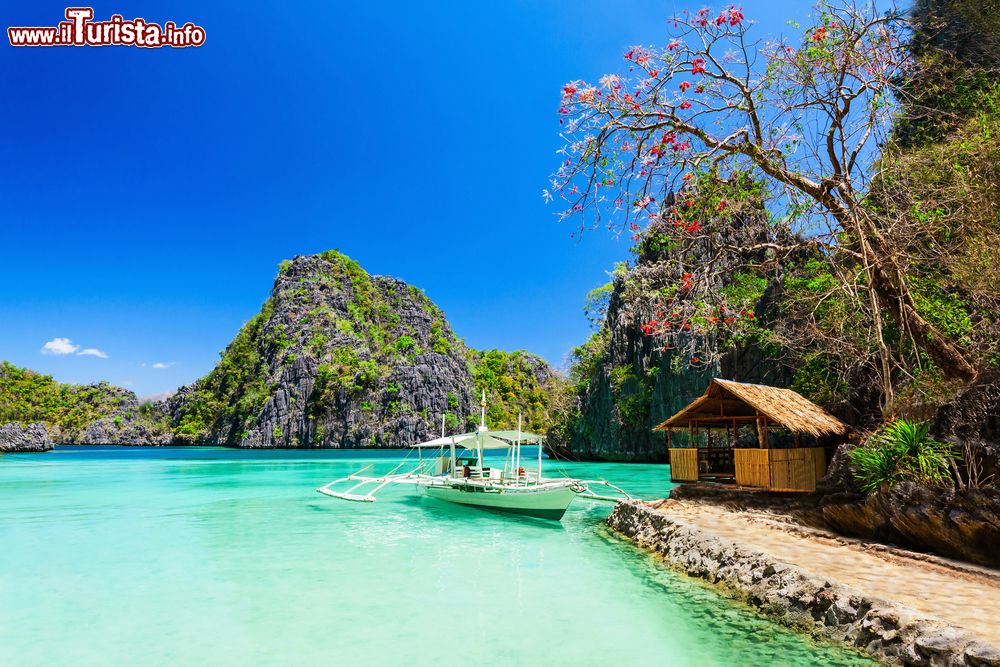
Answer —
725 400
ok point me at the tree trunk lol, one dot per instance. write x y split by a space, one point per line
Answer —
946 355
889 284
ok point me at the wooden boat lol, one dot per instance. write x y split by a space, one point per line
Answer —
458 474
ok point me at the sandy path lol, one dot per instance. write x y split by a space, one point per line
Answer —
968 597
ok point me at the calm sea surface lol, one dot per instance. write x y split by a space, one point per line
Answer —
171 556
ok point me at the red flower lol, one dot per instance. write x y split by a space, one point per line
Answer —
569 90
685 105
697 65
654 73
695 360
687 177
684 85
699 89
722 204
673 45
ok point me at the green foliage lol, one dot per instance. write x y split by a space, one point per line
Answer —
744 290
587 358
901 451
317 344
632 395
512 386
405 344
947 311
595 305
818 380
439 339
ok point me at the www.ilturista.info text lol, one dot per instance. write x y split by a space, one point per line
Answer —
79 29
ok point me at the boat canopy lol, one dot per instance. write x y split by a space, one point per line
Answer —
489 440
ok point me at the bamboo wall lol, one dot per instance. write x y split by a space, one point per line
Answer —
752 467
796 469
683 465
780 469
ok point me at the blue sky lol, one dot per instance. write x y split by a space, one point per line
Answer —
147 196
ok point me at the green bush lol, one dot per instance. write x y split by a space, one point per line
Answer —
901 450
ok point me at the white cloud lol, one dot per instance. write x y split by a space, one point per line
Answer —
92 352
160 365
59 346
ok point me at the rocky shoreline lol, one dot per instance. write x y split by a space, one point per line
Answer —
891 632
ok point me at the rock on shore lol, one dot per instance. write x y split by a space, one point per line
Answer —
960 523
30 438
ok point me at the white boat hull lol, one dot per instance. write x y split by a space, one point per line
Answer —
545 501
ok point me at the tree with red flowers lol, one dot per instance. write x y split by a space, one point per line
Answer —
717 125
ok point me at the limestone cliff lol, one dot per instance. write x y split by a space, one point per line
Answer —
340 358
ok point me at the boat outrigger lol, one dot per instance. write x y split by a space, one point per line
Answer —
458 474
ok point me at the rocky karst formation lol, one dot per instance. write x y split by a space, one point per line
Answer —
630 383
340 358
30 438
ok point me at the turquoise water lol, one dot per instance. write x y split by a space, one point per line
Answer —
169 556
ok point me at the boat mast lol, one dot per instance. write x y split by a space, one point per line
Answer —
451 469
540 462
517 452
479 435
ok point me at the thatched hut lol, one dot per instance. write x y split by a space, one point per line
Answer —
753 435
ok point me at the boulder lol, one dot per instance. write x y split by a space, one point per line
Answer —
959 523
30 438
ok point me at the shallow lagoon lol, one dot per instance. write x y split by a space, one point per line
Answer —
183 556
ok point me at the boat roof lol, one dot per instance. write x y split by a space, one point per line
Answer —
489 440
